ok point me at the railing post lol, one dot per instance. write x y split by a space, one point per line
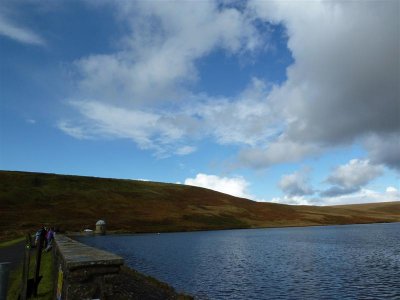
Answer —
36 278
25 268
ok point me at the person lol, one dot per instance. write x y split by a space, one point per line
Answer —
49 239
38 234
45 237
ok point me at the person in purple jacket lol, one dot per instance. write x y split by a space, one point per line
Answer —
50 238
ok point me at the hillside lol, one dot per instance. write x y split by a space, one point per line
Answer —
72 203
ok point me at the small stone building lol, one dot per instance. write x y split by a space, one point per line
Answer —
100 227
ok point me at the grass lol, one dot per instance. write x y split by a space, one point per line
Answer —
72 203
45 288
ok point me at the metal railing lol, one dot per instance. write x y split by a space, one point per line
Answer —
29 286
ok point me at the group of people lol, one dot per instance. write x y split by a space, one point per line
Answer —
47 235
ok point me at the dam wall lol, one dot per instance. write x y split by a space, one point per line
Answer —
84 272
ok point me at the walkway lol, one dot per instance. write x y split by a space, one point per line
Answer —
13 254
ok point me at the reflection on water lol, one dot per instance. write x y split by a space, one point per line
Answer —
334 262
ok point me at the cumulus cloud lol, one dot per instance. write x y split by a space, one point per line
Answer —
235 186
343 83
341 88
245 121
355 173
385 149
392 191
155 62
347 181
361 196
335 191
296 184
157 58
278 151
292 200
351 177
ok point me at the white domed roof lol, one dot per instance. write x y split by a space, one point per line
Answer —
100 222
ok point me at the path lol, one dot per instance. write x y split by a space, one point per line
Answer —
13 254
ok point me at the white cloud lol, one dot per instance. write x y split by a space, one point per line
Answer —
279 151
235 186
351 177
19 33
356 173
392 190
157 59
292 200
148 130
361 196
73 130
344 81
296 184
246 121
348 186
342 86
185 150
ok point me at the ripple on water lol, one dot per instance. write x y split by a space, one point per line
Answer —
335 262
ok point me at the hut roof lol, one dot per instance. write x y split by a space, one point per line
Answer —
100 222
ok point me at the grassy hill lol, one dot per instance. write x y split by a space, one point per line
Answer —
28 200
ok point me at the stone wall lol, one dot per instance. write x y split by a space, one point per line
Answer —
84 272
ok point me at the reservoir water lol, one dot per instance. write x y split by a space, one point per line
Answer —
330 262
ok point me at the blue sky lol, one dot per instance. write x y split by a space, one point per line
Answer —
292 102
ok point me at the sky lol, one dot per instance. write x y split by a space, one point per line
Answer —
294 102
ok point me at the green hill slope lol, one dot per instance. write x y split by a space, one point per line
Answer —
28 200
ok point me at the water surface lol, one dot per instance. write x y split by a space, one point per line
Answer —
330 262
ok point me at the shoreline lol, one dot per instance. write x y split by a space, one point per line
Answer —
9 242
116 232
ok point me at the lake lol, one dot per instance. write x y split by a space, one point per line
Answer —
328 262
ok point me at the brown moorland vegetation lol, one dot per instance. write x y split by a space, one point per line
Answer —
28 200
